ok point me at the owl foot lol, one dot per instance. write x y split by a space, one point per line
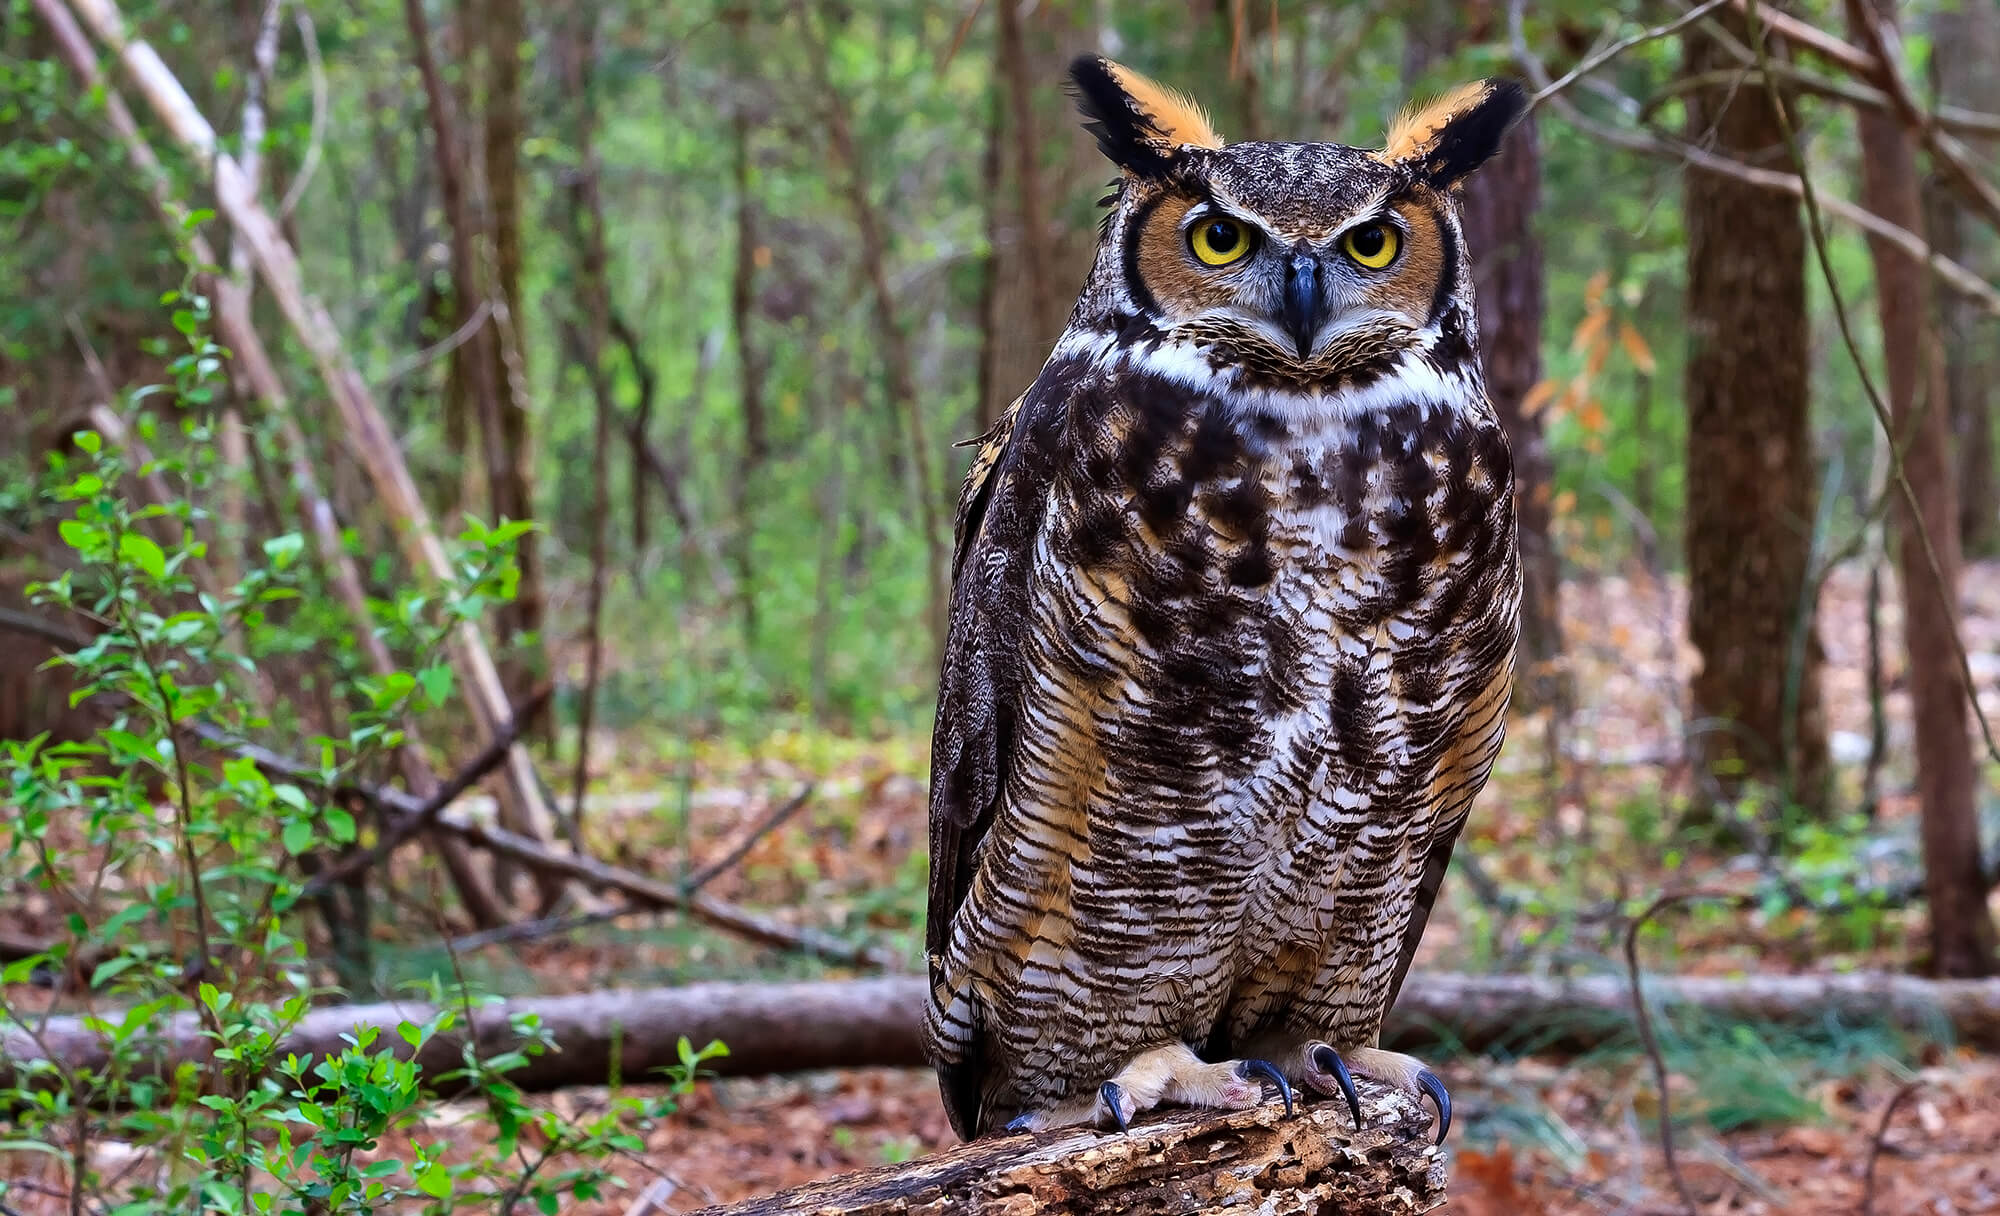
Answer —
1168 1075
1174 1075
1325 1071
1408 1074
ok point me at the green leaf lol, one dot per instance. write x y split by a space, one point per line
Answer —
437 683
112 967
77 534
435 1181
298 836
142 551
340 825
89 441
284 550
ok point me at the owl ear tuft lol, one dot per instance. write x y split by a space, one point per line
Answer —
1446 139
1140 124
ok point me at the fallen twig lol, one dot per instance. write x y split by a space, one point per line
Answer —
488 758
770 823
1650 1042
1901 1095
547 860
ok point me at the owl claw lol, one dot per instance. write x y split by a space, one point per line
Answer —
1112 1095
1429 1083
1329 1063
1023 1122
1263 1068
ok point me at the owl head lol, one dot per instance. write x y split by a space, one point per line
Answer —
1299 261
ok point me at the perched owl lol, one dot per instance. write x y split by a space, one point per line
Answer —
1233 619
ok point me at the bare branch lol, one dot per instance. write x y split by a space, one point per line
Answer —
316 70
1652 144
1597 59
770 823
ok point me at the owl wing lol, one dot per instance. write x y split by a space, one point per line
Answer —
1461 775
1000 510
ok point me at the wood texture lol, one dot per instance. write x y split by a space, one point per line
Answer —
1752 491
772 1028
1928 561
1256 1160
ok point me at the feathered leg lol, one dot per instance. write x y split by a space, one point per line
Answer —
1170 1074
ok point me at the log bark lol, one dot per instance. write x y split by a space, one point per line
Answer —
791 1027
1256 1160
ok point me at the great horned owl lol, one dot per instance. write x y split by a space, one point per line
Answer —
1233 619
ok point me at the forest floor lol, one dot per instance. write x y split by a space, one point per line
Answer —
1766 1121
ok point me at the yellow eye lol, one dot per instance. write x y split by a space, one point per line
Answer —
1372 245
1218 242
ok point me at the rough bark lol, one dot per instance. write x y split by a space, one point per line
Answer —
510 483
1750 469
1927 547
1965 44
1499 211
1256 1160
792 1027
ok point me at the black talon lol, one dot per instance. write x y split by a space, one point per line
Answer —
1329 1060
1263 1068
1429 1083
1112 1096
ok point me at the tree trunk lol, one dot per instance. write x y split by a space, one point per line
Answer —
1040 240
1257 1160
1499 208
756 432
1962 933
1965 44
893 339
1750 487
368 435
510 482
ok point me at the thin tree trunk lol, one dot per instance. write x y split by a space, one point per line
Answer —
1040 240
1962 931
367 432
510 482
579 50
1750 484
1499 209
233 320
893 338
1035 238
1965 46
750 362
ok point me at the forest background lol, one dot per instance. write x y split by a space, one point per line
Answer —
402 398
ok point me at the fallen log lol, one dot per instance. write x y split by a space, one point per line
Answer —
792 1027
1258 1160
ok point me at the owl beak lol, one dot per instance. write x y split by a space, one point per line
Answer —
1303 309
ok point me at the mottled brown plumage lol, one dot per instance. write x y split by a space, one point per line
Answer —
1232 630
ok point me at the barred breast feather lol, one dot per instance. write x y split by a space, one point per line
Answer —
1224 672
